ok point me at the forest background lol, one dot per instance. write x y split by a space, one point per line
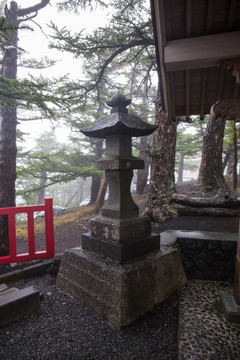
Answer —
69 49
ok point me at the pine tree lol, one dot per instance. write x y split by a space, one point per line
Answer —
125 41
13 93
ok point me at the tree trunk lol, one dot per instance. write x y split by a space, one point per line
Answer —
142 174
235 158
95 178
162 158
180 169
66 204
208 211
207 202
8 123
226 159
101 194
8 120
211 177
94 189
41 193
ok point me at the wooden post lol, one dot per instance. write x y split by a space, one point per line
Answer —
236 286
231 302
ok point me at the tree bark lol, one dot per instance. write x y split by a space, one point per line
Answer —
235 158
101 194
142 174
162 158
94 189
42 185
208 211
95 177
180 169
211 177
226 159
8 122
207 202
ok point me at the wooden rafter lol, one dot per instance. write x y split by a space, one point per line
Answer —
220 84
231 14
201 52
235 91
203 93
188 17
210 12
193 37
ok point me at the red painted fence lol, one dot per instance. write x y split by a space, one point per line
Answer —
47 207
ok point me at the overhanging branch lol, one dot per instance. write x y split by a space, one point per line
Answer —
34 8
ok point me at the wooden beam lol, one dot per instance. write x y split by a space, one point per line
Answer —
231 14
170 98
203 93
210 11
187 74
201 52
160 22
220 84
235 91
173 114
167 18
161 41
188 17
187 93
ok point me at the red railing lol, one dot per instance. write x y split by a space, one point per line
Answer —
32 254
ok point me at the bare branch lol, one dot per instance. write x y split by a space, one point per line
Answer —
119 51
34 8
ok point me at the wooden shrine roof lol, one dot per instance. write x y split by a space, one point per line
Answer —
198 49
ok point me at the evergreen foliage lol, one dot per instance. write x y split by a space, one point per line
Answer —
127 39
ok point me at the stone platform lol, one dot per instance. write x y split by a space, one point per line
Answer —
206 255
15 303
121 292
204 333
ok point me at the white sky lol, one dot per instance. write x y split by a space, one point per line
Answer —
36 44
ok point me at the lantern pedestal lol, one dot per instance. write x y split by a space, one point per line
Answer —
120 271
121 293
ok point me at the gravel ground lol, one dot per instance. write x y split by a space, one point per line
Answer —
63 328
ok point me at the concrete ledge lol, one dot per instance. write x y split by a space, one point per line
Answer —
169 237
121 292
230 308
206 255
18 303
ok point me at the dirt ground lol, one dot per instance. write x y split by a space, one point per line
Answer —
69 234
198 223
68 231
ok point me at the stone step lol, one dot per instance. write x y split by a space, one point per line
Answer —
17 303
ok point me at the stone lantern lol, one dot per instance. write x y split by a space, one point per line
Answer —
119 270
119 232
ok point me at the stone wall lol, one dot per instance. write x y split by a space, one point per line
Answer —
208 259
206 255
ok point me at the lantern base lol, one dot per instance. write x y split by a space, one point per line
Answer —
121 293
121 251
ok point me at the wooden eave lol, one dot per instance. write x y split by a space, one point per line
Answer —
192 37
